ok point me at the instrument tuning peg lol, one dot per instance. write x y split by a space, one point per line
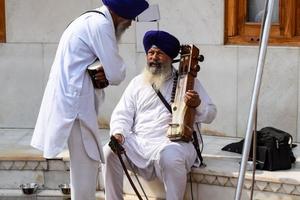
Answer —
200 58
196 68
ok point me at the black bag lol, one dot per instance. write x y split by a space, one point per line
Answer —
274 149
273 152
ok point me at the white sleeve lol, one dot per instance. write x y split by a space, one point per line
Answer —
207 110
103 43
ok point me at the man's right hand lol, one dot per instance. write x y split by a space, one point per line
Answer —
115 144
120 138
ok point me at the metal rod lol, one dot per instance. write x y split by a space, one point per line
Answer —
254 154
264 37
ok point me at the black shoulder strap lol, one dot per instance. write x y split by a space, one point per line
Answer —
197 148
162 99
172 95
89 11
95 11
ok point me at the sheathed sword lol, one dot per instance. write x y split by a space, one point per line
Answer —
119 150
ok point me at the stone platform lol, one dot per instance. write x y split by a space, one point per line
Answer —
20 163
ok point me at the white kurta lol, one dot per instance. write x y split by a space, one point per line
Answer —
69 93
143 119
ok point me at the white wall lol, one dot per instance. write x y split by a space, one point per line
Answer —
34 28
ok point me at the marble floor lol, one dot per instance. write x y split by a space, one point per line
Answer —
15 144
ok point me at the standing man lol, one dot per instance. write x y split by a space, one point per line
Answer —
140 122
67 114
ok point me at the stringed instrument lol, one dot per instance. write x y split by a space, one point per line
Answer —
181 128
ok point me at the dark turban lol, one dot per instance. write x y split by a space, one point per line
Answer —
128 9
164 41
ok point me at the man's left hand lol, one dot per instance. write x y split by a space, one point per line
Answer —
100 78
192 99
115 145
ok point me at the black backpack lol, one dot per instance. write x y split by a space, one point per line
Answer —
273 151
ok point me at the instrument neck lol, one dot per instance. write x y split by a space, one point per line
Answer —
175 79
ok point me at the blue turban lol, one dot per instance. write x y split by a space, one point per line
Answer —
128 9
164 41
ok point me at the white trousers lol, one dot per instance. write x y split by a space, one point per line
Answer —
83 170
171 168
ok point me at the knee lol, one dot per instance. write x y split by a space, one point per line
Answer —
170 159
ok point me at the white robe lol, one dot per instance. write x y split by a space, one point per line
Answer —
143 119
69 93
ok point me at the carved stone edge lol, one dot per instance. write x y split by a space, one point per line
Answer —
35 165
226 181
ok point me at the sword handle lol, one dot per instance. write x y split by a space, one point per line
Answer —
115 146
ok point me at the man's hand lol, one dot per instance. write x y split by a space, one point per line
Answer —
115 144
192 99
120 138
100 78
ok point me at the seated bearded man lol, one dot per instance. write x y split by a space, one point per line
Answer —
140 122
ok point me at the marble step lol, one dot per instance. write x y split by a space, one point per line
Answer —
47 173
14 194
6 194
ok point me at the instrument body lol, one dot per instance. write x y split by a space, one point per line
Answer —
183 117
92 70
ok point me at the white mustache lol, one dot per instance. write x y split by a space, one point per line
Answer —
155 64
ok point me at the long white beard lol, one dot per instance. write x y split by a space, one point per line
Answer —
119 32
158 78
